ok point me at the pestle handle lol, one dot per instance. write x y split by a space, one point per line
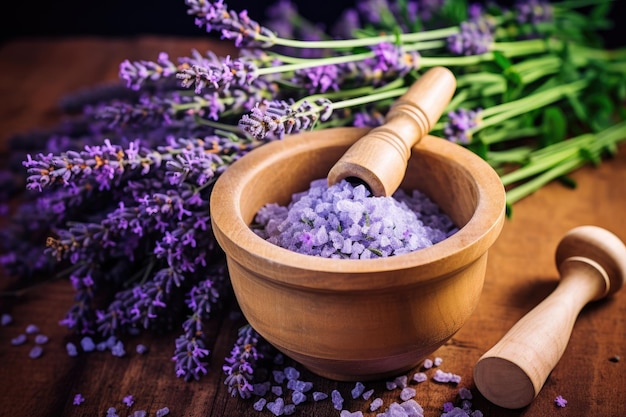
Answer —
592 264
379 159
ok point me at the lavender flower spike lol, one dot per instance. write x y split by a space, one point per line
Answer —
460 122
215 16
138 72
279 117
219 76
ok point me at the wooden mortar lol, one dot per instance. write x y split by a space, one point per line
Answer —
357 319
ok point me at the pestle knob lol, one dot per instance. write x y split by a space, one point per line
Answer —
379 159
592 264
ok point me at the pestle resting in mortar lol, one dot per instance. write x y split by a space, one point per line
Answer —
592 265
379 159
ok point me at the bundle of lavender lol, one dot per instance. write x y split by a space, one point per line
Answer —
117 197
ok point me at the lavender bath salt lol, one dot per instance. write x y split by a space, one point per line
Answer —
346 221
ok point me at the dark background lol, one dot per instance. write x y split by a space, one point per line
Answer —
50 18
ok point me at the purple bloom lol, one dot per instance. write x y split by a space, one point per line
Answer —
458 127
218 76
560 401
279 118
474 38
78 399
318 79
128 400
239 366
215 16
368 119
137 73
533 11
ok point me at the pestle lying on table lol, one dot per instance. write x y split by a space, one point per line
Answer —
379 159
592 265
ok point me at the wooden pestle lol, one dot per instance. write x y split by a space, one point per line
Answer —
379 159
592 265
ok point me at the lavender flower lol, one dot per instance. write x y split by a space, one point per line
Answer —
279 118
137 73
219 76
459 125
475 38
533 11
215 16
239 366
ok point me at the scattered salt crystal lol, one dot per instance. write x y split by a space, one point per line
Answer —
441 376
376 404
140 413
337 399
279 376
346 413
19 340
261 388
407 393
289 409
357 390
401 381
367 394
560 401
412 408
391 385
260 404
298 397
41 339
277 390
6 319
141 349
86 343
428 363
118 349
420 377
71 349
35 352
438 361
465 393
319 396
276 407
162 412
291 373
32 329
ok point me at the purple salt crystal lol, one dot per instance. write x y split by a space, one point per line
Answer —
289 409
32 329
376 404
298 397
357 390
41 339
346 413
6 319
420 377
438 361
412 408
86 343
35 352
407 393
71 349
428 363
259 404
141 349
291 373
279 376
276 407
19 340
401 381
162 412
391 385
337 399
261 388
465 393
367 394
319 396
277 390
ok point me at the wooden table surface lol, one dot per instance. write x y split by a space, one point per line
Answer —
521 272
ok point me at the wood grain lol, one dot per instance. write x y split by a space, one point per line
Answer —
521 272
